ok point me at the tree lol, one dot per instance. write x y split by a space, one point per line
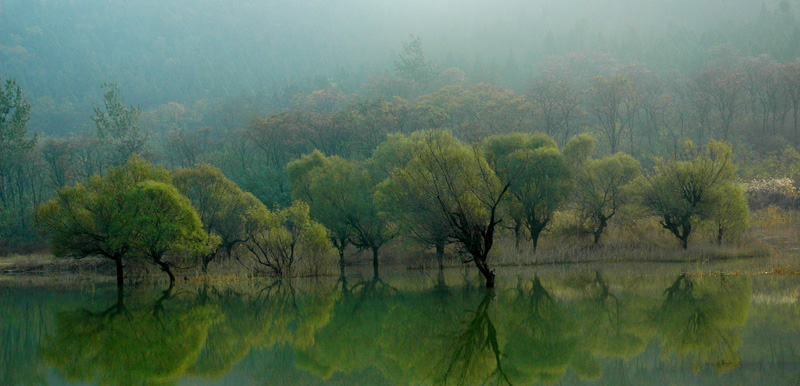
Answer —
557 103
790 79
288 235
537 174
225 210
163 226
600 189
465 190
300 176
415 213
413 66
609 99
94 219
729 216
16 149
118 125
340 194
683 192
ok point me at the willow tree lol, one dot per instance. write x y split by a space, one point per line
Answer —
286 236
121 216
601 189
225 209
456 179
340 194
416 214
163 226
538 176
683 192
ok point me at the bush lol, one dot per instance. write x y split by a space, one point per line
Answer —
778 192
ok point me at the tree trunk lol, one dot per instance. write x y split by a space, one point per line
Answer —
375 261
487 273
165 267
599 231
685 241
517 233
720 231
120 279
440 253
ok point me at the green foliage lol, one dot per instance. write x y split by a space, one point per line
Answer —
287 237
412 65
579 149
130 212
340 196
537 174
415 213
729 217
601 189
163 225
224 209
117 125
460 186
17 163
681 193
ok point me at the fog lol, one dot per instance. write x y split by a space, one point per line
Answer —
60 52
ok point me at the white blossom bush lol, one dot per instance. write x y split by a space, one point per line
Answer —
764 193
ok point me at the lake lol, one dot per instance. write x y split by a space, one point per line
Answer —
563 325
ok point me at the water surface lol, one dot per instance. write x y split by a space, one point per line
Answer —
594 327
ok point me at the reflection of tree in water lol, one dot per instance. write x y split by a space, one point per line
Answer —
25 317
431 334
542 337
700 321
348 342
612 325
150 344
260 318
472 352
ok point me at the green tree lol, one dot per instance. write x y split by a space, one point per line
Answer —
729 216
300 177
287 236
117 125
601 189
16 151
113 217
224 208
683 192
415 213
537 174
340 193
465 190
163 226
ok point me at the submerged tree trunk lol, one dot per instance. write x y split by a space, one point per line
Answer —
440 253
488 274
120 279
375 261
165 267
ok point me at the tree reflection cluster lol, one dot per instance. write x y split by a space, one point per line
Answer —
432 335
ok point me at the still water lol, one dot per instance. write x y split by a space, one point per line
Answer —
592 327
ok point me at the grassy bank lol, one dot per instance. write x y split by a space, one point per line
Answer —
772 243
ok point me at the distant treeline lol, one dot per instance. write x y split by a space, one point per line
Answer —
227 62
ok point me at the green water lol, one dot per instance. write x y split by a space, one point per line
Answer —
647 326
